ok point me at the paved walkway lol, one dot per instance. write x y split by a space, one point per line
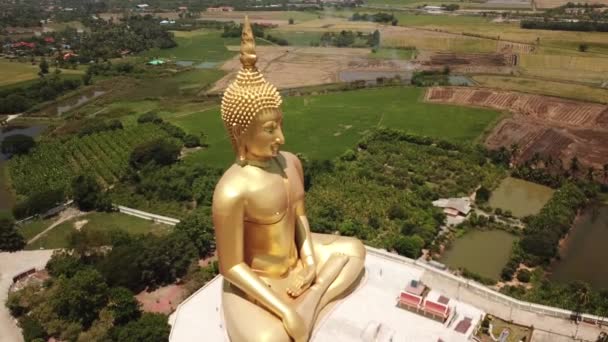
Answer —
12 264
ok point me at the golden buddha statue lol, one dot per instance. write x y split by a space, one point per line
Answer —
278 276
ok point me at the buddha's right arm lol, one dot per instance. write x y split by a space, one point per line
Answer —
228 221
244 278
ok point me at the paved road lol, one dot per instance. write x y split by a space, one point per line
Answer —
12 264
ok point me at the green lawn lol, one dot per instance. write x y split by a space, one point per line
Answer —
34 228
324 126
387 53
58 236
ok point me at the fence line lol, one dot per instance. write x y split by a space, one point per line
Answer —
147 216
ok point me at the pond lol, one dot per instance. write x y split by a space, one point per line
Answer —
481 252
521 197
371 76
6 198
584 252
71 103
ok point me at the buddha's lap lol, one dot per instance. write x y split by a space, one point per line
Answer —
266 326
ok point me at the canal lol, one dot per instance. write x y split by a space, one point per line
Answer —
481 252
585 251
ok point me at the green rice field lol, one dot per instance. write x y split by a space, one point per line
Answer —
324 126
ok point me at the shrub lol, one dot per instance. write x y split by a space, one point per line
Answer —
159 152
191 140
17 144
524 276
149 117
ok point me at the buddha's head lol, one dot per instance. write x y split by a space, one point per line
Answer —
251 108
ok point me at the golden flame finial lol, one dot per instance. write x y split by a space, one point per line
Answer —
248 57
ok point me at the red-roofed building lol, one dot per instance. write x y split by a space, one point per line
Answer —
24 44
49 40
69 55
435 310
409 301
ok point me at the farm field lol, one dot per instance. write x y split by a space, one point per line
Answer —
16 72
204 45
99 222
324 126
549 126
557 3
544 87
483 27
55 164
572 68
292 67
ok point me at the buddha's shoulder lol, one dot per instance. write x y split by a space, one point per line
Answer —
233 182
291 159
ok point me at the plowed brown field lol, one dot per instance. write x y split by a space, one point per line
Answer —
549 126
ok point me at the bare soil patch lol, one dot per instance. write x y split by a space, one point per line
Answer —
162 300
549 126
292 67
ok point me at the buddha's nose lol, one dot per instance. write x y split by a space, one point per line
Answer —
280 139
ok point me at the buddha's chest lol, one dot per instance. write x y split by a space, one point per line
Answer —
271 197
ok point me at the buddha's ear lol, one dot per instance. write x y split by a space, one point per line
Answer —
241 148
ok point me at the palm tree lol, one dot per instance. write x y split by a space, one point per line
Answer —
574 166
606 172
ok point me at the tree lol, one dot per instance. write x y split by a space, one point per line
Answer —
482 195
44 66
191 140
17 144
583 47
10 239
165 259
149 117
88 194
150 327
199 229
64 264
159 152
291 22
32 330
409 246
123 305
80 298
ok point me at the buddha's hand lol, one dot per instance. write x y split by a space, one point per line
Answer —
295 326
302 281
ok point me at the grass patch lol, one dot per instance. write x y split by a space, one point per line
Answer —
543 87
324 126
17 72
55 238
406 54
34 228
103 222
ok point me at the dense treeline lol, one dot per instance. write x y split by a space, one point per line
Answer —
379 17
350 39
20 99
382 192
583 26
543 231
107 40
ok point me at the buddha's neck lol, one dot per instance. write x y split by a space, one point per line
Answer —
263 163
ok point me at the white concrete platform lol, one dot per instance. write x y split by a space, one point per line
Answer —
368 314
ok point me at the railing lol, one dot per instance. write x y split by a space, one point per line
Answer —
147 216
484 292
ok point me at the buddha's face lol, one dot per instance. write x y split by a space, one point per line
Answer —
264 136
